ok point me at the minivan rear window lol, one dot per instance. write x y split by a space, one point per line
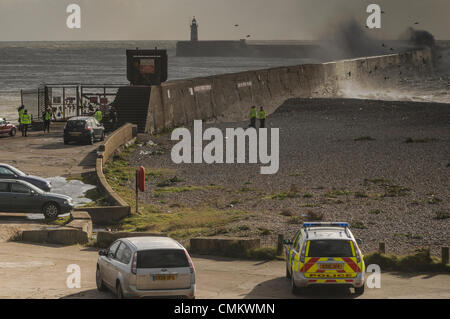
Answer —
163 258
330 248
76 124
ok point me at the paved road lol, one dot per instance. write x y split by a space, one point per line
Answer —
46 155
39 271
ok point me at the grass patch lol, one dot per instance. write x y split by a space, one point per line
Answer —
245 189
420 261
411 140
364 139
296 174
335 193
395 191
361 195
181 223
292 193
61 221
358 225
308 195
433 200
441 215
169 182
295 220
376 212
312 216
264 232
378 181
286 212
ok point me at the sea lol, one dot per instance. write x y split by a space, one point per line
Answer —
26 65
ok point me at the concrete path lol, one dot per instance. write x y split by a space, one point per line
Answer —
46 155
39 271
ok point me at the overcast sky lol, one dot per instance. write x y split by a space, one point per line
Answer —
23 20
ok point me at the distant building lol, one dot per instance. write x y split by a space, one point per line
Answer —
194 30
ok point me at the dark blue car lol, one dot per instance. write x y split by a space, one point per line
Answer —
9 172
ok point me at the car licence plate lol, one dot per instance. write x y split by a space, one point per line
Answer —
164 277
75 134
330 266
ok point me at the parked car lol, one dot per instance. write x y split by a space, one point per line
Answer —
83 129
324 254
7 128
18 196
146 267
10 172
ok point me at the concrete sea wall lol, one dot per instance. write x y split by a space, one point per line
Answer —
227 98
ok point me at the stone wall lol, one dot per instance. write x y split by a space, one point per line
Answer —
228 98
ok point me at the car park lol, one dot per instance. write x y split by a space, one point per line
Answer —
145 267
18 196
10 172
83 129
324 254
7 128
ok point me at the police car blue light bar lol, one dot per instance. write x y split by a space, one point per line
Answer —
345 225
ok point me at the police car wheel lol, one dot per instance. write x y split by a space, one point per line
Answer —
295 290
288 275
359 290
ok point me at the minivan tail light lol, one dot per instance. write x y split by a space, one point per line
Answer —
191 267
191 264
134 263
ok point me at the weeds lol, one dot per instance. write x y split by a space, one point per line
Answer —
364 138
441 215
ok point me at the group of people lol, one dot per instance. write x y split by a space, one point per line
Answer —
260 115
26 119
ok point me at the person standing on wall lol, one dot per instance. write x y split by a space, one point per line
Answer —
98 116
26 121
262 118
21 110
253 114
47 119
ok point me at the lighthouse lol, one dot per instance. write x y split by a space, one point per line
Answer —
194 30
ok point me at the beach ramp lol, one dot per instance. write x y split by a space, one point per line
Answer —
132 104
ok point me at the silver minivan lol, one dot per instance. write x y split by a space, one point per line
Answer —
146 267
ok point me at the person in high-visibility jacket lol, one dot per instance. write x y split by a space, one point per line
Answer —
253 113
262 117
21 110
98 116
26 121
47 120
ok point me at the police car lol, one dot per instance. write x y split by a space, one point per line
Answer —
324 253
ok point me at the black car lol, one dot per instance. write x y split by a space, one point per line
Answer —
22 197
10 172
83 129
